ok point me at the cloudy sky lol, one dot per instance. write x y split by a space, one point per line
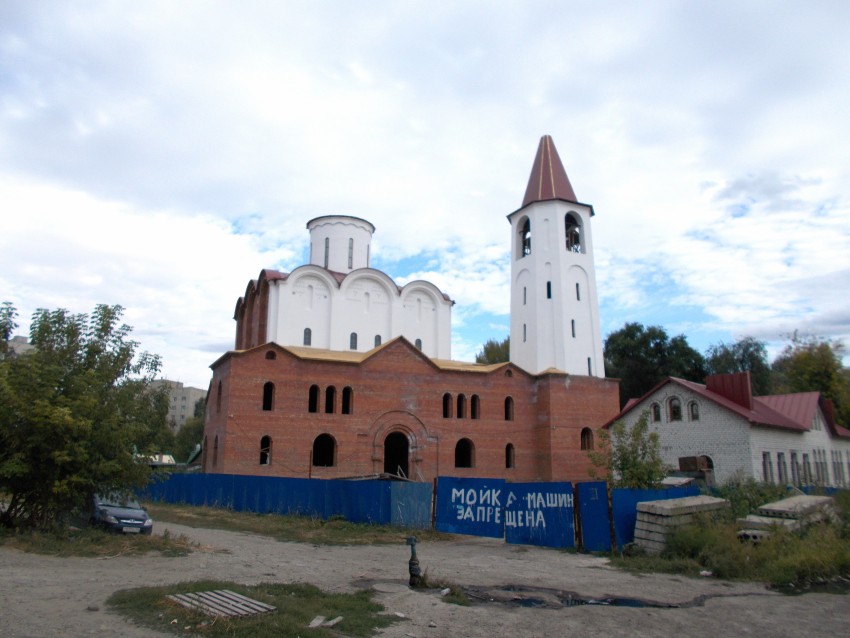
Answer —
158 155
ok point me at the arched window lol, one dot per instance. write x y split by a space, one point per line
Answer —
475 407
656 413
268 396
215 451
447 406
330 399
418 344
308 337
573 233
674 407
509 373
693 411
578 292
347 400
313 402
218 398
548 290
509 409
509 456
461 406
266 450
352 341
324 451
377 340
586 439
464 453
271 355
524 238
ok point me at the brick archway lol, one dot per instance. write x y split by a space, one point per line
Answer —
406 424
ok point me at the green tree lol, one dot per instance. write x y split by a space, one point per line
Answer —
190 435
630 457
7 325
811 363
746 354
495 351
76 415
641 357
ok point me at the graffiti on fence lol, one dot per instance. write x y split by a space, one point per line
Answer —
540 514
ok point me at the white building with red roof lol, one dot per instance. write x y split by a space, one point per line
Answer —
782 438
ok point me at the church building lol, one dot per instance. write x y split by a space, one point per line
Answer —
339 372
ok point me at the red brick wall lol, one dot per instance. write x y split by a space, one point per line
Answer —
397 389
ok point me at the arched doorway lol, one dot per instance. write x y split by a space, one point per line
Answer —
396 454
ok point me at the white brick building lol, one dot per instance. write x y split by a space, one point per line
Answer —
785 438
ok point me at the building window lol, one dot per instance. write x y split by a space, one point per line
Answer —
509 456
578 292
218 398
330 400
266 450
548 290
795 469
573 233
589 367
693 411
781 468
418 344
573 327
461 406
509 409
475 407
350 253
807 470
347 400
464 453
509 373
524 333
525 238
327 250
352 341
215 451
524 295
313 400
586 439
324 448
766 467
268 396
270 355
656 412
308 337
377 340
447 406
674 408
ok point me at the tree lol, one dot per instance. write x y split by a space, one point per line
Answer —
641 357
7 325
76 415
495 351
810 363
630 457
189 436
746 354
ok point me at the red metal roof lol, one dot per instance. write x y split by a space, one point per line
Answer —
548 178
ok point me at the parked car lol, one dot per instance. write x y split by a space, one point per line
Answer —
120 514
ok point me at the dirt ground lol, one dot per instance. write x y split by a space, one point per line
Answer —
519 590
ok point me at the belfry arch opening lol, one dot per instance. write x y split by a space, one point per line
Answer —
524 238
573 234
397 454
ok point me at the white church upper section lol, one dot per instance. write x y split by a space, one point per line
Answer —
337 302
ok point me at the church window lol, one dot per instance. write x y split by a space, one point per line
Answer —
447 406
461 406
586 439
509 456
324 451
308 337
266 450
270 355
377 340
330 400
418 344
656 412
525 238
268 396
509 373
548 290
352 341
524 333
674 409
347 400
578 292
589 367
509 409
573 232
215 451
464 453
327 250
693 411
350 253
475 407
313 401
573 327
524 295
218 398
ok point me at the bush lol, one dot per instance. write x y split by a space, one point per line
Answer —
746 495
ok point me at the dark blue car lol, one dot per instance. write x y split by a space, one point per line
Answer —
120 514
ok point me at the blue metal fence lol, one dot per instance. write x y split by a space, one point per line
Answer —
624 507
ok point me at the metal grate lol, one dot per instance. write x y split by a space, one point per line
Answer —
221 602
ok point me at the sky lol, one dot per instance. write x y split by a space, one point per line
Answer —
159 154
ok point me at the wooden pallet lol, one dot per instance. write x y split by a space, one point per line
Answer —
221 602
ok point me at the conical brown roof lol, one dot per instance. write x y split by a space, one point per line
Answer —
548 178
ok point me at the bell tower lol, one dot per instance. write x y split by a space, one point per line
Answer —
554 307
